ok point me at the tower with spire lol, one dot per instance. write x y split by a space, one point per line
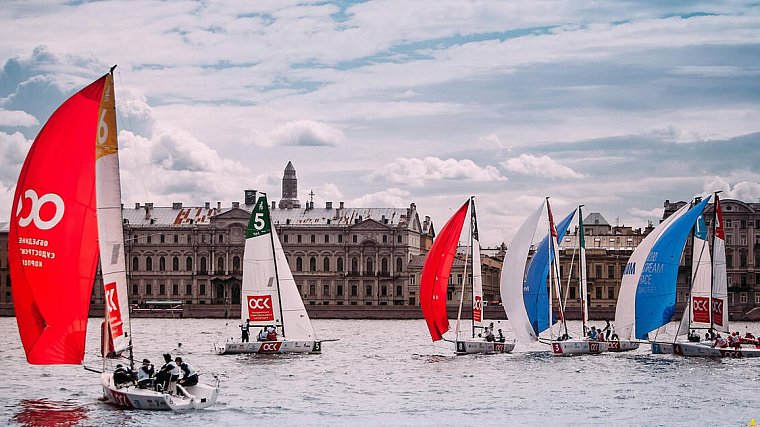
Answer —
289 189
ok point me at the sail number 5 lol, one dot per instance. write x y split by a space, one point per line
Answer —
258 221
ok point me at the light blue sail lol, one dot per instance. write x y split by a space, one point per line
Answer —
535 291
656 290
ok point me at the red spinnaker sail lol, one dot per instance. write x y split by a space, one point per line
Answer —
53 246
434 280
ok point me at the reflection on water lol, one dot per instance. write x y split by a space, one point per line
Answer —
43 412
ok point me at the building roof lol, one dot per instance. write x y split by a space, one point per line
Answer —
595 218
148 215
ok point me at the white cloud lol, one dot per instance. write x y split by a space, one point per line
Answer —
542 166
416 172
15 118
13 149
748 191
655 213
300 133
392 197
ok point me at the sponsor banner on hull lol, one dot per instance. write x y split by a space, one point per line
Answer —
270 347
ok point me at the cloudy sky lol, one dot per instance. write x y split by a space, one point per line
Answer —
617 105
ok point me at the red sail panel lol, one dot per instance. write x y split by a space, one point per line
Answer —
53 250
720 233
434 280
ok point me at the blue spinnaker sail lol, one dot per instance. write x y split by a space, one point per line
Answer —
656 290
535 292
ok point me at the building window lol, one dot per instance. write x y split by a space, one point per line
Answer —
202 289
399 290
299 264
385 238
313 239
135 289
326 290
203 265
354 265
743 298
384 265
354 238
339 290
354 290
148 239
135 263
340 264
384 291
598 292
161 264
148 289
399 265
327 238
312 264
757 298
368 291
221 238
312 290
220 265
610 271
148 264
743 223
572 292
370 266
412 279
175 264
340 238
161 289
398 239
176 238
189 264
161 238
611 292
175 289
236 264
742 260
326 264
285 238
729 261
459 278
188 289
203 238
298 238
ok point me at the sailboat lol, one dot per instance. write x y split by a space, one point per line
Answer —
434 286
648 289
270 295
707 308
528 301
67 212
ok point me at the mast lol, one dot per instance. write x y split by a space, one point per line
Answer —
473 230
582 283
464 278
716 206
276 274
549 260
554 267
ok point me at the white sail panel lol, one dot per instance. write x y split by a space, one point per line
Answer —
512 275
110 231
625 311
296 322
697 311
720 282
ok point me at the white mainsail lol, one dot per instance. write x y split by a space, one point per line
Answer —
110 231
697 310
512 276
269 292
625 311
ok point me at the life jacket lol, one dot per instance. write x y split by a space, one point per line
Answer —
272 336
145 372
187 370
244 327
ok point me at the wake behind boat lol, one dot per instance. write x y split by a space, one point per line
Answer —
272 304
73 167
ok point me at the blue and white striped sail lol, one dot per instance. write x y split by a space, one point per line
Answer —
535 291
656 291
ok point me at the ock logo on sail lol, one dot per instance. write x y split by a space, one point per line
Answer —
36 206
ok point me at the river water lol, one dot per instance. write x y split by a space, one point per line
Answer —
388 372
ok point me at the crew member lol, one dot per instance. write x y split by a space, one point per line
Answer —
262 335
145 374
189 376
244 328
168 374
122 377
272 334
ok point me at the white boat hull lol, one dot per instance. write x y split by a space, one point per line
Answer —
271 347
197 397
572 347
623 345
483 347
707 350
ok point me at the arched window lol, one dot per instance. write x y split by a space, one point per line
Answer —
203 265
384 265
370 266
340 263
135 263
299 264
399 265
236 264
354 265
189 264
148 264
161 264
326 264
312 264
220 264
175 264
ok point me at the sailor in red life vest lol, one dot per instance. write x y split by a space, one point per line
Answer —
735 340
720 342
272 334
